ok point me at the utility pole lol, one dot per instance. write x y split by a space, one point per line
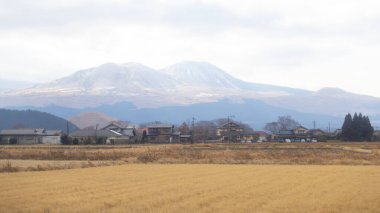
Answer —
67 127
314 124
192 129
329 128
96 133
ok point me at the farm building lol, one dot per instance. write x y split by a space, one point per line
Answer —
30 136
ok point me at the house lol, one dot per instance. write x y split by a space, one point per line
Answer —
318 134
30 136
186 138
161 133
248 136
52 137
376 135
93 136
336 134
263 136
128 133
120 127
298 134
230 132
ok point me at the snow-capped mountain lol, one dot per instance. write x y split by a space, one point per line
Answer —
180 84
200 74
112 79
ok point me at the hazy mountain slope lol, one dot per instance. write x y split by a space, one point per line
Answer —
87 119
253 112
32 119
331 101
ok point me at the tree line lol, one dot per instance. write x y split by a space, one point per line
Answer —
357 128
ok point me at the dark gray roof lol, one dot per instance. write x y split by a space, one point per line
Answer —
315 130
119 124
230 124
53 132
128 132
285 132
22 132
95 133
300 127
158 125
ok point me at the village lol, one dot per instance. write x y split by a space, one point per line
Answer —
118 132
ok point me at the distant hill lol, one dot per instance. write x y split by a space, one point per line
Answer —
88 119
32 119
253 112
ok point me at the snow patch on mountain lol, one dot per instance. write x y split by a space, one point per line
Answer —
200 74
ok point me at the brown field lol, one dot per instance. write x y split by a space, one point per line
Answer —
11 165
265 177
332 153
194 188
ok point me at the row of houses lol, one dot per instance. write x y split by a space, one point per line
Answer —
236 133
122 133
112 133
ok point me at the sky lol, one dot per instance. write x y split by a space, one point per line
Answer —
296 43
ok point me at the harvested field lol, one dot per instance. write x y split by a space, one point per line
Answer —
194 188
337 153
43 165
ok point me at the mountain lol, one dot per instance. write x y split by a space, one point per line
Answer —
32 119
132 89
112 78
180 84
87 119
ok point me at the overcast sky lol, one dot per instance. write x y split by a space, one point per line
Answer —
297 43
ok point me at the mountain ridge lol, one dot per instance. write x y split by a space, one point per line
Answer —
182 84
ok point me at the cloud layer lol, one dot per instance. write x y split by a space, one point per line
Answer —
305 44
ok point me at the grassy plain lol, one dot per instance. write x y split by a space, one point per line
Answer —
194 188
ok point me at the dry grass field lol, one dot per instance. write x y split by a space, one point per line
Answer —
337 153
266 177
11 165
194 188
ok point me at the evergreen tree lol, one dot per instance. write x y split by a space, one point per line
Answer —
367 129
357 128
347 127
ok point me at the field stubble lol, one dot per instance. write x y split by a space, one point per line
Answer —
194 188
46 157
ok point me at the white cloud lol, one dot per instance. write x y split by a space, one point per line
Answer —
298 43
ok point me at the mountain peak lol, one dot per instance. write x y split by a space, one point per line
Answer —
330 91
200 74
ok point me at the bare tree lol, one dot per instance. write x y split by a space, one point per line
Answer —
204 130
184 128
283 123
